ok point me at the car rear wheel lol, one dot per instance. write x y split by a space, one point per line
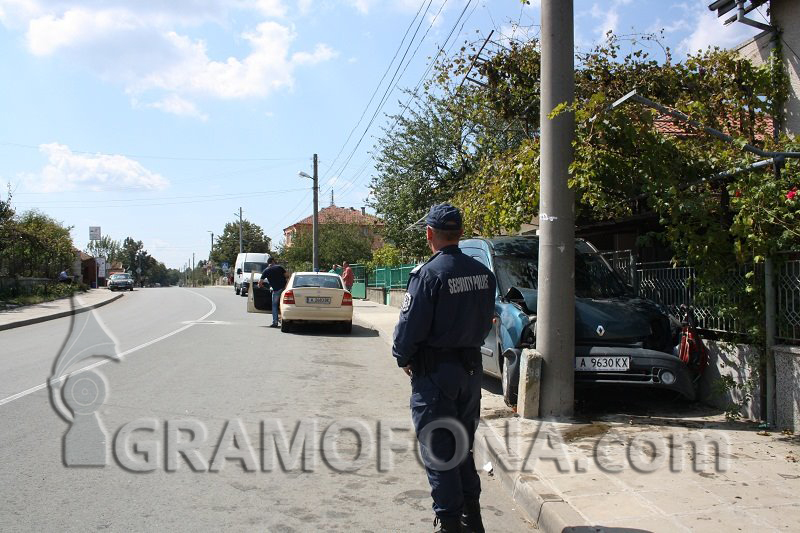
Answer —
286 326
347 327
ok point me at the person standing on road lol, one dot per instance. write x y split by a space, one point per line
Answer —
447 311
347 276
276 276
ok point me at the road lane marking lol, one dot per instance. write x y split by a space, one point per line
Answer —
119 356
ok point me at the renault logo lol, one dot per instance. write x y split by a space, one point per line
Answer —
601 330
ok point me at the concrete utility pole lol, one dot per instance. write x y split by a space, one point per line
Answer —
555 329
315 216
210 252
192 269
241 249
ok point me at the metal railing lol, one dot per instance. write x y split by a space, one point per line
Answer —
788 289
676 285
390 277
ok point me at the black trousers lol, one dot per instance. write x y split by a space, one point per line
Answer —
449 394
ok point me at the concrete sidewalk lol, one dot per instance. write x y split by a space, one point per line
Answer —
33 314
675 471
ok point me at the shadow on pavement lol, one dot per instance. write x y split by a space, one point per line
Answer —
330 330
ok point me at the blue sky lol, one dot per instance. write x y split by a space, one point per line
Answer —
158 119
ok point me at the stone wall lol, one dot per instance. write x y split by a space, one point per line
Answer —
377 295
787 387
739 362
396 297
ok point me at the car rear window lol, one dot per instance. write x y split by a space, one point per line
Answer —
252 266
310 280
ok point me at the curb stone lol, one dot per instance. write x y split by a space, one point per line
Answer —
538 500
60 314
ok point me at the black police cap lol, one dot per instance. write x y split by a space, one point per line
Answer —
444 217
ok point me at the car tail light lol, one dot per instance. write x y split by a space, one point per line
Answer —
347 299
288 297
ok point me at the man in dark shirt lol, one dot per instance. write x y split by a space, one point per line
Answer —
276 276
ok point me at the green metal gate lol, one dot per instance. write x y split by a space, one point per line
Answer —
359 281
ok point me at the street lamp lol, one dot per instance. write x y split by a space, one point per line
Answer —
315 227
211 251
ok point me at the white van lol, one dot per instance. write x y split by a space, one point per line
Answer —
247 263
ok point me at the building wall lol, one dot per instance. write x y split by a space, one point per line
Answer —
786 14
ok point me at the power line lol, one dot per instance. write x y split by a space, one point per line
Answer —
170 158
156 204
377 87
424 75
387 93
222 196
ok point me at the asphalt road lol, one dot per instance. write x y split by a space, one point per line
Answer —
196 359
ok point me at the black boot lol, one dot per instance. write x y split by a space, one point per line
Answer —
471 517
447 524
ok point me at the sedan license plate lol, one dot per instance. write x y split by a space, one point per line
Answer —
318 300
600 364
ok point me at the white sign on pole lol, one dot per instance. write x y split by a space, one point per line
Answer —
94 233
101 267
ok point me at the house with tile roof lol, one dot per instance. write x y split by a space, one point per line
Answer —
369 225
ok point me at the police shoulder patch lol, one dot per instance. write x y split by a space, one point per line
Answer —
406 302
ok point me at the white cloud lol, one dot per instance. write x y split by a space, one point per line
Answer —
304 6
147 51
175 105
709 31
66 171
322 52
270 8
609 15
362 6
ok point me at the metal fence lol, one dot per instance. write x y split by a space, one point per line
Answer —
788 284
390 277
674 286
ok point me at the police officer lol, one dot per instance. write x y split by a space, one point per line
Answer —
446 313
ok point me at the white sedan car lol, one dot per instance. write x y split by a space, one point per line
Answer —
316 297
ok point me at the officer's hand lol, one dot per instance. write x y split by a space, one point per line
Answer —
407 370
260 284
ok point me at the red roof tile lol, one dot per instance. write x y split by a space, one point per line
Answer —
667 125
342 215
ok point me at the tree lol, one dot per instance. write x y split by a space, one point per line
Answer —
131 251
40 245
421 160
226 246
387 255
107 248
338 242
